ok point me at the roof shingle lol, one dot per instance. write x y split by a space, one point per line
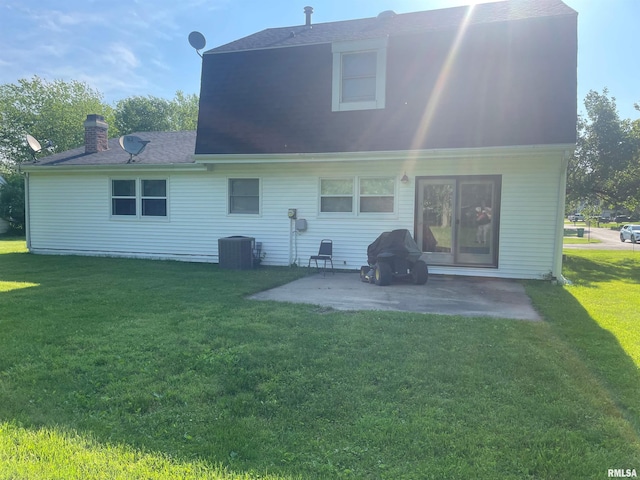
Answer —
164 148
400 24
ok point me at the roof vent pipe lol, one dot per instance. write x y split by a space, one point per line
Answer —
308 11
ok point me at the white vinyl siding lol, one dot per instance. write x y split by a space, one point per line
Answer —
198 215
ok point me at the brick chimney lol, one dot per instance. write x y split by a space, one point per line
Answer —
95 134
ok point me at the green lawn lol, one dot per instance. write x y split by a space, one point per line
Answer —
116 368
579 241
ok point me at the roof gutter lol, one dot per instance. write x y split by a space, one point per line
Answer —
124 167
512 151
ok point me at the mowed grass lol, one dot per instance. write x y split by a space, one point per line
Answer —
117 368
571 237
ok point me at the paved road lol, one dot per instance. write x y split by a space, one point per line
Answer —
609 240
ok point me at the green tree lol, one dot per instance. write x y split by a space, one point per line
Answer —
604 168
12 200
143 114
47 110
184 115
153 114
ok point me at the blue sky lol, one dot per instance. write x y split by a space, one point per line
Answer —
139 47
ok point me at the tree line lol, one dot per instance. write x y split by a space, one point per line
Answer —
603 172
54 111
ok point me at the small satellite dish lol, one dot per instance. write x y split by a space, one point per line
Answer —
132 145
34 144
197 41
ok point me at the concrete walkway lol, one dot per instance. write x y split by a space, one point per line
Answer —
445 295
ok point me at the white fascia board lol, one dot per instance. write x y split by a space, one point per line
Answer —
512 151
125 167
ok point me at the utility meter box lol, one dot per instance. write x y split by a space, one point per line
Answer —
301 224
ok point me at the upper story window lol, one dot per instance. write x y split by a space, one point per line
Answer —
359 75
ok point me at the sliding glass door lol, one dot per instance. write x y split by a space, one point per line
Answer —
457 219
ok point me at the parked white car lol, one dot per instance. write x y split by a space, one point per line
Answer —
576 217
631 233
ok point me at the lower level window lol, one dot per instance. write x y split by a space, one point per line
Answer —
123 197
376 195
244 195
154 198
139 197
373 195
336 195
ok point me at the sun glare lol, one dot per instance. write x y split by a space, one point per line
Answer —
432 106
9 286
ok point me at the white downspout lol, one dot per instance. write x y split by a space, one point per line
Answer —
27 212
562 192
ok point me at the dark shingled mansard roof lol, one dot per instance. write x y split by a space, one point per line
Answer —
167 148
390 24
164 148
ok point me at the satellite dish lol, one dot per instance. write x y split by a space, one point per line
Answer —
197 41
34 144
132 145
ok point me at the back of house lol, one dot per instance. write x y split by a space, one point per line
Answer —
426 121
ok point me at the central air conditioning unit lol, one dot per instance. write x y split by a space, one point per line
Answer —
236 253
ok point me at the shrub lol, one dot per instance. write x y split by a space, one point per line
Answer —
12 207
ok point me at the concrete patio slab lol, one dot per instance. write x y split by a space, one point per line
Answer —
445 295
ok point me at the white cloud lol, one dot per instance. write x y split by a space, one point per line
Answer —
121 56
161 64
120 48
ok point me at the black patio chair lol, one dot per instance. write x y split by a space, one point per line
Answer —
325 254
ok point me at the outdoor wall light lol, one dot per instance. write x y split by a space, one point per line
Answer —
404 178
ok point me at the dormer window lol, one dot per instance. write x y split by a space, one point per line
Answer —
359 75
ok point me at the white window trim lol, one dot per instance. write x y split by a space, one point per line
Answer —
244 215
378 45
353 196
356 197
138 216
394 194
